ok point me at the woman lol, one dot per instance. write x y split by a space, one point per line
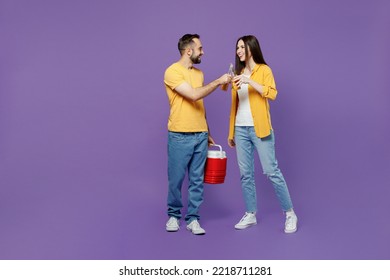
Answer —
250 129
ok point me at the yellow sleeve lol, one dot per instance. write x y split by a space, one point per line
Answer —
269 86
173 77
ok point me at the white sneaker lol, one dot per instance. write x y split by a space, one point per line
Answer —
249 219
172 224
195 228
291 223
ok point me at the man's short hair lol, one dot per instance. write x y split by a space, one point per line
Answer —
185 41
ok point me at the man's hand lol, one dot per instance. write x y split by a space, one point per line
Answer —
225 79
211 141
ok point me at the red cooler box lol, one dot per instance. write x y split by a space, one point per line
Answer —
215 168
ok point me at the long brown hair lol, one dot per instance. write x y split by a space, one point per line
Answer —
251 43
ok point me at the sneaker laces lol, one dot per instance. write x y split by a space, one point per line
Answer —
195 225
172 221
289 220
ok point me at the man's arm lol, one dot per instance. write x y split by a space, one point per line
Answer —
195 94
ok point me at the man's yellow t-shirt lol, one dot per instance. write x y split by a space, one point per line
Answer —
185 115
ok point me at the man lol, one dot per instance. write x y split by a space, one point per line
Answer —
188 135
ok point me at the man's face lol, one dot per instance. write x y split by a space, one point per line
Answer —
197 51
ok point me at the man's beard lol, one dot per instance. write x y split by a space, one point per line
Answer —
196 59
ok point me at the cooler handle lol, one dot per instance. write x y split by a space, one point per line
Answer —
220 149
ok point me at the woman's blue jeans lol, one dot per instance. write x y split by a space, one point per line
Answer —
186 151
246 142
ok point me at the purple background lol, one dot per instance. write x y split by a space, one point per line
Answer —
83 115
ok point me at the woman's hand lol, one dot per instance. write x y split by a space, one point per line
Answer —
231 143
241 79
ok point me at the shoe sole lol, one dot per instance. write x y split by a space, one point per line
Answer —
172 229
196 233
200 233
291 231
244 227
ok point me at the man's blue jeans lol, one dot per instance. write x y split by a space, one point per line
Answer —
246 142
186 151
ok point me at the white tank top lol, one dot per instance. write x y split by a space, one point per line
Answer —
244 113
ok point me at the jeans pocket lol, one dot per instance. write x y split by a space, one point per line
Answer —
176 136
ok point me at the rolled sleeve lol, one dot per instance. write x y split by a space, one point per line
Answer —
269 87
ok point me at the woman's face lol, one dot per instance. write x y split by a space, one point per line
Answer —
240 51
